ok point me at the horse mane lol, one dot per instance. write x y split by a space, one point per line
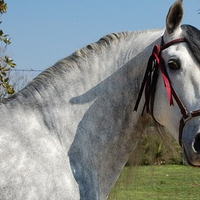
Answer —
67 64
192 35
71 63
98 46
102 43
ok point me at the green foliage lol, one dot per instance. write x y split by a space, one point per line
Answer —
3 7
155 150
6 63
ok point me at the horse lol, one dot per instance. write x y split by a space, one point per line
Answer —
69 133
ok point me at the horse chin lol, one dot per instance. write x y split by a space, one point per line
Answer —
187 160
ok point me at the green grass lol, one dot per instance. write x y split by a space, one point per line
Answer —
170 182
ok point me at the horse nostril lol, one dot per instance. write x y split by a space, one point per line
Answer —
196 144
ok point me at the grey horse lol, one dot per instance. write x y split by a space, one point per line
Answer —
69 133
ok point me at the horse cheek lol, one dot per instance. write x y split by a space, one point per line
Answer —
166 115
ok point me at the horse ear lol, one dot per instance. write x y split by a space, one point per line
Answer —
174 16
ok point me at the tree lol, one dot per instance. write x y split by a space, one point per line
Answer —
6 63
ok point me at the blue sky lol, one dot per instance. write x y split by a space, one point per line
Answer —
44 31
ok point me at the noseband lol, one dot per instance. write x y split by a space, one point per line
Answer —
149 84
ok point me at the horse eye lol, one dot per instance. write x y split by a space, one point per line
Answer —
174 64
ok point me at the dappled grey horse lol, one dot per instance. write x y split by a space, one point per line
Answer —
69 133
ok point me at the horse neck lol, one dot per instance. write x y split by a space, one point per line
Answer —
107 133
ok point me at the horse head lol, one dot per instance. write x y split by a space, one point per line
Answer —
180 55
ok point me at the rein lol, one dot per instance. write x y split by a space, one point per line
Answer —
149 84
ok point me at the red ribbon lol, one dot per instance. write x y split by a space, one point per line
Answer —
156 52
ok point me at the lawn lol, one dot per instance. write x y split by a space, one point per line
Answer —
170 182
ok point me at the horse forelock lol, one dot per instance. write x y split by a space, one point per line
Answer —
192 35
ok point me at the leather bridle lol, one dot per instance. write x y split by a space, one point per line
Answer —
149 84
